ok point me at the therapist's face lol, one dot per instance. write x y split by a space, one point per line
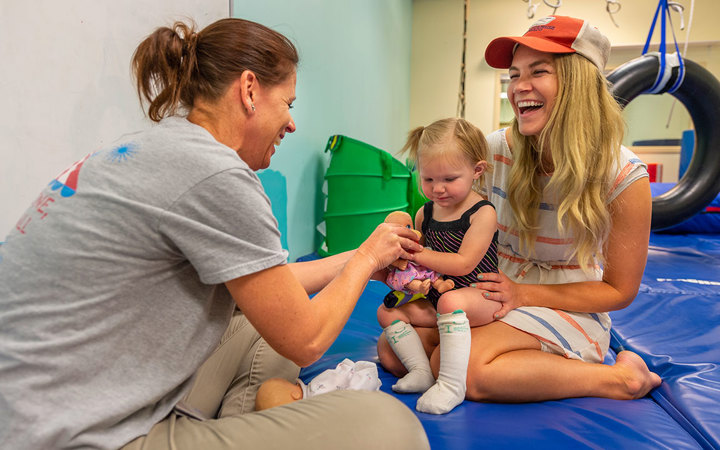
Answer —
271 122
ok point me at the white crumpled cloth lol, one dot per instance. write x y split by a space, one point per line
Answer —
348 375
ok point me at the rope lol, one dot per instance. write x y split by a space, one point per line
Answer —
461 95
668 61
680 9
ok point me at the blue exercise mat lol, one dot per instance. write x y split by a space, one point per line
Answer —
673 324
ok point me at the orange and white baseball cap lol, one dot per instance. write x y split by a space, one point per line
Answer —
553 34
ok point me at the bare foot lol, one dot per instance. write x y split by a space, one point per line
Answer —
638 378
275 392
443 286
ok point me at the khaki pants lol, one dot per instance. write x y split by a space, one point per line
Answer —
218 412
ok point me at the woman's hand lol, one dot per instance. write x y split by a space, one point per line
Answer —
389 242
498 287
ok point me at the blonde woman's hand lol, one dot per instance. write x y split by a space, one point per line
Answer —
389 242
498 287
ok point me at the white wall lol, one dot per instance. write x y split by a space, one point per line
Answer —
65 84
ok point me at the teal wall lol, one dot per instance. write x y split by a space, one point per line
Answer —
353 79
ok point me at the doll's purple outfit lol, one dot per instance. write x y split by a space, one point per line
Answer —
398 279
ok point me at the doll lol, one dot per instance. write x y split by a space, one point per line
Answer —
407 276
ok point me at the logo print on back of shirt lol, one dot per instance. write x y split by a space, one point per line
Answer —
67 181
121 153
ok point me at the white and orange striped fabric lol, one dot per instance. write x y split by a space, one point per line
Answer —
575 335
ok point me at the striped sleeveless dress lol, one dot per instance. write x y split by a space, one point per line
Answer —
447 237
583 336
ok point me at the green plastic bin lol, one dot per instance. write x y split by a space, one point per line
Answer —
416 198
364 184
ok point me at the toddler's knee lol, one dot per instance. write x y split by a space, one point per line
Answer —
382 314
387 316
451 301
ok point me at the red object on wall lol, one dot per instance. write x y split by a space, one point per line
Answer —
655 172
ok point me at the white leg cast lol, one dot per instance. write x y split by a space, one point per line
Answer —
449 390
406 344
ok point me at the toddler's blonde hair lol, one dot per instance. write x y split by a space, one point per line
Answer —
471 144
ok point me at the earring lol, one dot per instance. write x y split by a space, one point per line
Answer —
252 106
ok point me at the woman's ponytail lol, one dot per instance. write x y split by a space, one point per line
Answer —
163 65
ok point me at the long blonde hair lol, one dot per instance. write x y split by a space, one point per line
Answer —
470 141
584 134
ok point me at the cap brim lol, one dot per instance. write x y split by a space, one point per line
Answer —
499 53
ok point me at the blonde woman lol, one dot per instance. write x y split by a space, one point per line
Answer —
573 210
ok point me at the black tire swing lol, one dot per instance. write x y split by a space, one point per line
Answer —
699 91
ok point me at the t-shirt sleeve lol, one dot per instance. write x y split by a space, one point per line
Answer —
495 157
631 169
225 228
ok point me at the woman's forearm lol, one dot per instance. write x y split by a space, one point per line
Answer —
585 296
315 275
300 329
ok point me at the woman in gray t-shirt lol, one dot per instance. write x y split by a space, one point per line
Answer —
145 295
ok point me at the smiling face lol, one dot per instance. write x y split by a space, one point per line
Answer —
272 121
533 89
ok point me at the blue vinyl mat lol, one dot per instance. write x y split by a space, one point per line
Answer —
674 324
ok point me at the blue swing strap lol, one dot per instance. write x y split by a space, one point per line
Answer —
672 68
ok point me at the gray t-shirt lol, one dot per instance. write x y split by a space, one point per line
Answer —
111 291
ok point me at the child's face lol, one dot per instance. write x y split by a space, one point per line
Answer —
447 181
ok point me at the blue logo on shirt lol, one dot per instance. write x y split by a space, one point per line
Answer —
122 152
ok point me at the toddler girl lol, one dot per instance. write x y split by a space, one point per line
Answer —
460 228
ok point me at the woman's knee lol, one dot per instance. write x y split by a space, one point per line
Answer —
392 423
268 363
477 384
